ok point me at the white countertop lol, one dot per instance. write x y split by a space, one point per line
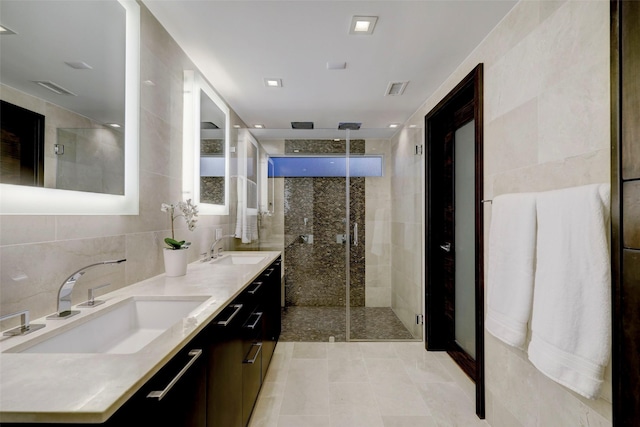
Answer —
89 388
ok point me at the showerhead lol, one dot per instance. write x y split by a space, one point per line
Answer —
349 125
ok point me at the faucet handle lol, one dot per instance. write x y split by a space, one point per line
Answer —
91 302
24 328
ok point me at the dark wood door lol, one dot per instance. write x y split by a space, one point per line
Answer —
447 213
446 251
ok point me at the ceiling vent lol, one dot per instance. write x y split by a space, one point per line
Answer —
349 125
301 125
54 88
396 88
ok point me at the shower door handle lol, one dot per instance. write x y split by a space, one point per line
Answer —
355 234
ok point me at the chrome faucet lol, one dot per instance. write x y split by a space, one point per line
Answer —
64 293
212 253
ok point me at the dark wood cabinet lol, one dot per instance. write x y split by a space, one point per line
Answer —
240 350
177 394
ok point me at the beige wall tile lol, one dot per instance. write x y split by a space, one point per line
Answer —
511 140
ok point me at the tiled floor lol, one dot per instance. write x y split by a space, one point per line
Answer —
392 384
319 323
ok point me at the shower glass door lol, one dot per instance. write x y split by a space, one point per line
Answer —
384 255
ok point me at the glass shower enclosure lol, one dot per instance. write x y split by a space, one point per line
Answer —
352 261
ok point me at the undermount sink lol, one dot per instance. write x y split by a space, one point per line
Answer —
125 327
239 259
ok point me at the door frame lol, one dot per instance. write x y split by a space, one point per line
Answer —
470 89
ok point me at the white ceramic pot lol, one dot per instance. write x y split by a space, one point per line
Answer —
175 261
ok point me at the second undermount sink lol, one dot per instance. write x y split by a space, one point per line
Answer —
125 327
239 259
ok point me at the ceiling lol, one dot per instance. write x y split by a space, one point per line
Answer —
237 44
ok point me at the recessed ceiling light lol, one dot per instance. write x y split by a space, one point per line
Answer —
413 126
113 125
5 31
363 24
336 140
258 126
148 83
394 125
236 126
271 82
396 88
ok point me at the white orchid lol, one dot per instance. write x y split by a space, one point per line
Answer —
189 212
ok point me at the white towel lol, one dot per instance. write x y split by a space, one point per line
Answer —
241 211
246 225
512 242
571 325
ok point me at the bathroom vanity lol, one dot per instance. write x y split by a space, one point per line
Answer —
204 366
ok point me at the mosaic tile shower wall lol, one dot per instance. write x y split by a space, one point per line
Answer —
315 274
212 187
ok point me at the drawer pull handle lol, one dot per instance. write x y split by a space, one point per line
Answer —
269 271
159 394
254 290
237 307
252 360
253 326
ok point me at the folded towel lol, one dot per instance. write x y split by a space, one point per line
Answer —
512 242
571 320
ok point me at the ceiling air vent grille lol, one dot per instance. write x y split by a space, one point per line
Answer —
54 88
396 88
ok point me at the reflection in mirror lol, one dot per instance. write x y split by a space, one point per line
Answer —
77 65
212 151
205 157
266 183
252 175
73 74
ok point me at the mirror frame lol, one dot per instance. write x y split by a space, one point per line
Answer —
24 200
194 83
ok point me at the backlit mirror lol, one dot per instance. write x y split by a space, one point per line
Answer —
75 65
206 146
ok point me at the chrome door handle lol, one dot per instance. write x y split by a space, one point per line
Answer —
446 247
159 394
355 234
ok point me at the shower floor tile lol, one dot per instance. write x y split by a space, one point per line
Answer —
309 324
